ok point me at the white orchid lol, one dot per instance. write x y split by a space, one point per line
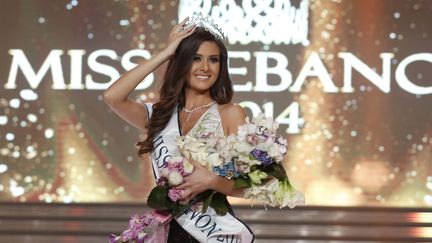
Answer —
266 122
243 147
264 193
288 196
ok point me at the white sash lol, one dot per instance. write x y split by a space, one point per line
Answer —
206 227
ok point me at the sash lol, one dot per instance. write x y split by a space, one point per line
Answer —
207 227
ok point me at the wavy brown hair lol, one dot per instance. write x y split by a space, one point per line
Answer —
172 93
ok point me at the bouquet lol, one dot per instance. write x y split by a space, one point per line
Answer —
164 198
148 227
253 158
259 152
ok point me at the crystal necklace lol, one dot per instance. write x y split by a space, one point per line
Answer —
190 111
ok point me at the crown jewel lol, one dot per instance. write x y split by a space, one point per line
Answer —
207 23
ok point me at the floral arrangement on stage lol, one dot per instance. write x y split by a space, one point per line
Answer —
252 158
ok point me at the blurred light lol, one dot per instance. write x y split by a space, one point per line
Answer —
41 20
71 150
370 175
14 103
32 118
28 94
15 190
3 168
49 133
423 232
3 120
10 136
428 200
124 22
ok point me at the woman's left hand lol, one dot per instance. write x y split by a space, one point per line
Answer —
200 180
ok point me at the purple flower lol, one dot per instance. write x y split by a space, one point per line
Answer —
261 156
175 194
113 238
139 229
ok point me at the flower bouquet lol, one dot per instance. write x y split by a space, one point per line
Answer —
148 227
252 158
164 198
259 152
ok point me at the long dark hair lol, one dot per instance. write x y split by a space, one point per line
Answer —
172 92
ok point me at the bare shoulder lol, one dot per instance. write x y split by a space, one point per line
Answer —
232 115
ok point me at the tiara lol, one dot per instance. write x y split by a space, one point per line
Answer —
205 22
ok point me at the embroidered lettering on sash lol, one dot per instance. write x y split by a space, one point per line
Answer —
228 238
206 224
160 152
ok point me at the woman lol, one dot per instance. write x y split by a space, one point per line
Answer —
195 95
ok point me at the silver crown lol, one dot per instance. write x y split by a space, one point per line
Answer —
205 22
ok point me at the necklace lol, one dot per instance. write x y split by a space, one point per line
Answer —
190 111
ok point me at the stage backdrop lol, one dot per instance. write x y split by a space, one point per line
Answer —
349 82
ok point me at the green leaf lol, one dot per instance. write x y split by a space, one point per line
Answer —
207 202
158 199
175 211
219 204
254 167
242 182
277 171
180 209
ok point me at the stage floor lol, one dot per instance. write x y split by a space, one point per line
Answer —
33 222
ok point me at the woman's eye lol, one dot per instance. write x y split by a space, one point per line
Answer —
197 58
214 59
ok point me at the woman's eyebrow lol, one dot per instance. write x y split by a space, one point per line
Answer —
215 55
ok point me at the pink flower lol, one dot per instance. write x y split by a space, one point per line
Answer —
175 194
252 139
177 166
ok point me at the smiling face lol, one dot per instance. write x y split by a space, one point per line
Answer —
205 67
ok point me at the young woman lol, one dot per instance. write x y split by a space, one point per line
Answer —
195 96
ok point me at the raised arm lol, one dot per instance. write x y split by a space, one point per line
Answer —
117 95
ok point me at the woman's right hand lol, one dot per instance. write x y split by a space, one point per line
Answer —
116 96
177 35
